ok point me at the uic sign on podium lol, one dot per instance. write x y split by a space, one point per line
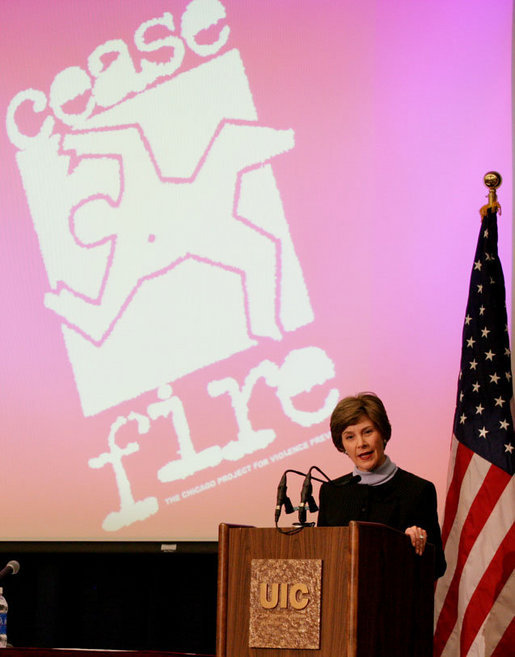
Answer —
356 591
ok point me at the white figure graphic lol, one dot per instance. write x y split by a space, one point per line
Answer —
130 510
159 223
190 461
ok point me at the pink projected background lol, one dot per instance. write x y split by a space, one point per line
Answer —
217 219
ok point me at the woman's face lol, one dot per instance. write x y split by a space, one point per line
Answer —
363 444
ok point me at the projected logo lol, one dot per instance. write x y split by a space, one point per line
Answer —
164 239
160 222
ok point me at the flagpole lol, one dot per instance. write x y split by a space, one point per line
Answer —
492 180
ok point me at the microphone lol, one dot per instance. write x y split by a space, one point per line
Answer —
353 480
9 569
282 499
306 498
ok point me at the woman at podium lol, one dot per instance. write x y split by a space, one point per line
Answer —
377 490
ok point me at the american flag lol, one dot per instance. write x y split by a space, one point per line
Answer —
475 600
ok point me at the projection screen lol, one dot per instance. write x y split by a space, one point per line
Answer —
218 218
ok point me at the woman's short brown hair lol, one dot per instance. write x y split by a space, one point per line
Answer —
349 411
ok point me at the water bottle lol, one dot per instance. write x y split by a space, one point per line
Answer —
3 619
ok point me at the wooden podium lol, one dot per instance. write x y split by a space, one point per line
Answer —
357 591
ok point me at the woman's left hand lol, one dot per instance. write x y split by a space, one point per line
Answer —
418 538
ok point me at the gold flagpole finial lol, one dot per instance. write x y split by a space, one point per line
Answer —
492 180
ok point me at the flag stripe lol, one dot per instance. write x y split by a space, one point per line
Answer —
460 465
491 584
471 563
505 646
497 622
498 525
470 484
